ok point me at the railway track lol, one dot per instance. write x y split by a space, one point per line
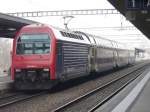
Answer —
101 94
9 95
17 97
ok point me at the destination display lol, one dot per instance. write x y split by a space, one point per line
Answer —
138 4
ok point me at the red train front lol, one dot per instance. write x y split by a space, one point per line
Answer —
33 58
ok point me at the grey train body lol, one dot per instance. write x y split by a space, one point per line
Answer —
75 59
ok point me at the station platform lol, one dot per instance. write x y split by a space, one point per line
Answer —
133 98
142 103
5 82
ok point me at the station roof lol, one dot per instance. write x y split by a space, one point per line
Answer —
139 50
139 17
10 24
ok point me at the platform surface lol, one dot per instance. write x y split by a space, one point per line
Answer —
138 99
5 82
133 98
142 103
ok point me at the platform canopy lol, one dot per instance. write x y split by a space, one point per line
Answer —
9 25
136 11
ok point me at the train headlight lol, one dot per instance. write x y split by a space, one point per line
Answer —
45 69
18 70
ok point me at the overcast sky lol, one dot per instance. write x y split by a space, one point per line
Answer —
34 5
127 36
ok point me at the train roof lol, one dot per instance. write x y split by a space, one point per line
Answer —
67 35
103 42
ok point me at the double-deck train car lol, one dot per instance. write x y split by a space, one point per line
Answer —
44 55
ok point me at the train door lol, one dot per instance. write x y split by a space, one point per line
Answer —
59 61
115 55
92 55
129 57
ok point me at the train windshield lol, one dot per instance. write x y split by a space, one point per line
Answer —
33 44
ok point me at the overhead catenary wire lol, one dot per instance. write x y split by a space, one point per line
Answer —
65 12
107 28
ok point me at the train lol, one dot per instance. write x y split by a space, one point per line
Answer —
44 55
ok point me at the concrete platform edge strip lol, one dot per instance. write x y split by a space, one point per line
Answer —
128 100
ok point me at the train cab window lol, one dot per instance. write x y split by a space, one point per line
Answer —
33 44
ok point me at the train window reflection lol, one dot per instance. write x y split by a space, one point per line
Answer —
33 44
